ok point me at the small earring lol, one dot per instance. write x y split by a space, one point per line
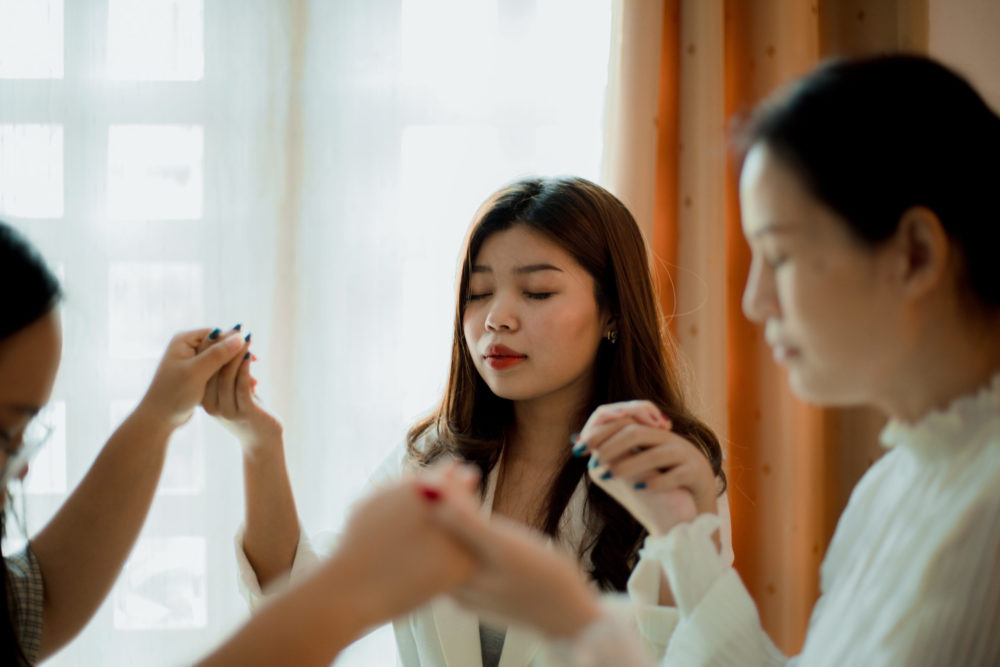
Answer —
611 336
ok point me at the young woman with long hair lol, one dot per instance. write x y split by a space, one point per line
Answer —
556 314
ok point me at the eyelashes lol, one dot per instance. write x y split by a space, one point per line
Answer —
535 296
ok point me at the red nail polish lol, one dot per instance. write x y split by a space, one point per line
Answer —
432 495
253 357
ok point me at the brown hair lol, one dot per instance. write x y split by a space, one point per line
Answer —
471 422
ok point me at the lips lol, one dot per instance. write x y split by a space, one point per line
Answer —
501 357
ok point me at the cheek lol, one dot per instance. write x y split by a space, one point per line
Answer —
570 329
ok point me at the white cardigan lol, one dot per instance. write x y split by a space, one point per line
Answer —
912 576
441 634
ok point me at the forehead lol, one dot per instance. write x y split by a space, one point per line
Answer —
519 246
29 359
775 200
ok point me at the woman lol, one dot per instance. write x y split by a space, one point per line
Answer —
556 314
57 583
867 197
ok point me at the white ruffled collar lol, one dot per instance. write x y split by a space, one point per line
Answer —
945 425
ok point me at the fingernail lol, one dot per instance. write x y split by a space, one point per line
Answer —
237 327
246 356
593 462
215 334
432 495
580 449
640 485
573 438
253 357
247 337
606 475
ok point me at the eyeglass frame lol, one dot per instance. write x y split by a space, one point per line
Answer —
34 435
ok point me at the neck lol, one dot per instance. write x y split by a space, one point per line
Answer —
955 359
542 426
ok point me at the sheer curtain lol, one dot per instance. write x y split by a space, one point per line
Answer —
307 169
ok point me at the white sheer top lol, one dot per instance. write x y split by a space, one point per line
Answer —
912 576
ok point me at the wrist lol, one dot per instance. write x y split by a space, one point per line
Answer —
262 450
153 424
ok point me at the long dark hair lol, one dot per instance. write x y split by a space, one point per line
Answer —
30 292
471 422
873 137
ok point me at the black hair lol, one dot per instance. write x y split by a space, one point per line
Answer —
30 291
29 287
873 137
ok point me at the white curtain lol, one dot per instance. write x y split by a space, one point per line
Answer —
307 169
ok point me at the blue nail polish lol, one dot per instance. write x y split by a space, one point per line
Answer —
237 327
573 438
640 485
246 356
247 337
580 449
606 475
215 334
593 462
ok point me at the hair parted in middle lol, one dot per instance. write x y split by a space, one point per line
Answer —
471 422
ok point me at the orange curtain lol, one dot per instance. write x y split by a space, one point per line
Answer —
791 467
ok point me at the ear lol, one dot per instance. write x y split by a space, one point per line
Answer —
921 252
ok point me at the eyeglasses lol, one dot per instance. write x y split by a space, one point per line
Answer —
35 434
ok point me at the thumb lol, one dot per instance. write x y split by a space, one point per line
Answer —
465 524
211 359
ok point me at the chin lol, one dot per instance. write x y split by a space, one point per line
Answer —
824 392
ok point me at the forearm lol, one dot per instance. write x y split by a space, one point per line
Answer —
272 524
308 625
82 549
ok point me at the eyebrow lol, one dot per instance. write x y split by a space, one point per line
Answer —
521 270
30 410
773 228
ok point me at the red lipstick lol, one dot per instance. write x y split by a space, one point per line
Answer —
501 357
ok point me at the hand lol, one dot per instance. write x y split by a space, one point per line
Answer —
398 556
230 397
180 379
657 475
519 580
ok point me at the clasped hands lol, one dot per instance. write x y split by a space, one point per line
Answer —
439 541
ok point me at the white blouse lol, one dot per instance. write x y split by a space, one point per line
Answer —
441 634
912 576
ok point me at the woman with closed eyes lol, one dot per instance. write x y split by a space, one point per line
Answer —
556 315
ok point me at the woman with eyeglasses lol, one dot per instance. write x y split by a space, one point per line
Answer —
54 586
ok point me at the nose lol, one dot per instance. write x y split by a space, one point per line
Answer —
501 315
759 296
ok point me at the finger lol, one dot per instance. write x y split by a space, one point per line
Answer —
244 385
643 411
209 361
648 463
634 438
202 339
226 379
466 525
593 438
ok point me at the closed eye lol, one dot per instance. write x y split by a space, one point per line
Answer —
538 295
480 296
